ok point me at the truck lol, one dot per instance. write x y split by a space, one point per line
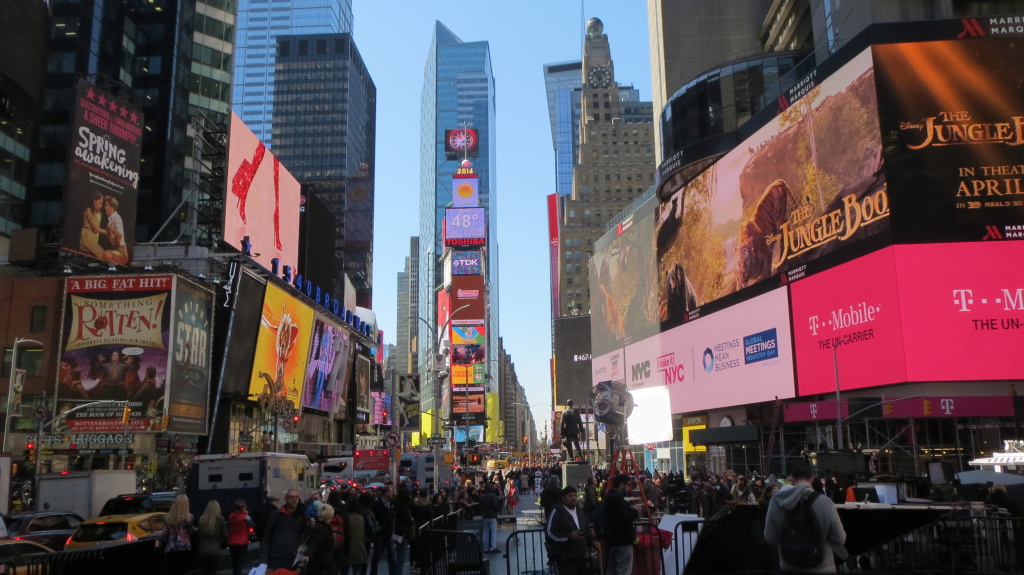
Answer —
252 477
337 468
83 492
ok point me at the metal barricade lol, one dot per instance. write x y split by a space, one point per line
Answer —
684 538
454 553
648 555
526 553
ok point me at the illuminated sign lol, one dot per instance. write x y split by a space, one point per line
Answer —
465 192
466 263
465 223
463 141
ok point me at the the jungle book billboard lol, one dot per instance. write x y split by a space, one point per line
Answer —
282 348
952 118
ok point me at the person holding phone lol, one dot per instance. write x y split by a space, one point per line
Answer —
569 535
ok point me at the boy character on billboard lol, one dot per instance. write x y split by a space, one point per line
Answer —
118 252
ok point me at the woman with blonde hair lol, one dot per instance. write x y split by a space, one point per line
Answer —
213 535
178 536
319 555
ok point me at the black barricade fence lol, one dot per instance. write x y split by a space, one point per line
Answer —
454 553
120 559
526 553
684 538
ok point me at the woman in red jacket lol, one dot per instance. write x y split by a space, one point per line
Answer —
239 524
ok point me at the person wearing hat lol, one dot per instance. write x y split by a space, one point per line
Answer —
569 534
572 428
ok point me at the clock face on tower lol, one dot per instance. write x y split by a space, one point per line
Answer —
599 77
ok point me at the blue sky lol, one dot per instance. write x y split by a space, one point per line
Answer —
393 38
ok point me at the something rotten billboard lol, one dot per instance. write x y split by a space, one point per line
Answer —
103 176
262 203
114 346
806 184
282 348
327 370
952 116
189 390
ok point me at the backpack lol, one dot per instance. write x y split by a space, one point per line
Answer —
801 543
337 526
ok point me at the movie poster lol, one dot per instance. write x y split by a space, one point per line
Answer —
103 176
188 392
327 367
363 383
114 346
409 400
282 349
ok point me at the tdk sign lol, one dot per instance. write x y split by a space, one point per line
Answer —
760 346
465 263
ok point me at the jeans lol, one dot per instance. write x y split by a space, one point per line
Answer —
490 534
380 546
620 560
401 550
238 558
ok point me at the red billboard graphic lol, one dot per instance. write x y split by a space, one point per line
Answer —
262 203
371 459
553 253
463 142
469 291
806 184
103 176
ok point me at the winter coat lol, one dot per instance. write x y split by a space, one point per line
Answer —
283 534
211 540
239 524
404 525
833 536
489 506
385 515
620 519
320 550
560 525
355 539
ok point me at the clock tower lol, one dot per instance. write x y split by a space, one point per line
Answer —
600 96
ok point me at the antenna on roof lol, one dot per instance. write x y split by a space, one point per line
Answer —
583 24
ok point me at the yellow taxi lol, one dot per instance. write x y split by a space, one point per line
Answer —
15 555
111 529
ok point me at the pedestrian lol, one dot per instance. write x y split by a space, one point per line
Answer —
489 510
621 533
212 536
178 536
569 535
269 507
353 558
285 531
405 529
239 524
590 497
311 503
832 536
551 496
318 558
383 513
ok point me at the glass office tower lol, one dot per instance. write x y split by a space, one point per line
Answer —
563 82
260 22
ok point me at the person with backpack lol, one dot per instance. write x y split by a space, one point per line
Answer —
804 525
617 524
319 555
339 526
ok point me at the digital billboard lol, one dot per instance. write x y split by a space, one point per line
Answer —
469 291
474 432
381 408
409 400
469 374
460 399
608 367
102 177
246 301
282 350
466 263
623 276
188 392
327 370
262 201
465 192
469 342
114 346
461 142
951 116
808 183
465 226
362 390
572 358
553 242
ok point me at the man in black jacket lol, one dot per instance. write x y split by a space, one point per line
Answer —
489 508
568 535
384 513
621 533
285 530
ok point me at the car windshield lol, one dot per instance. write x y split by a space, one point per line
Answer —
106 531
127 505
14 523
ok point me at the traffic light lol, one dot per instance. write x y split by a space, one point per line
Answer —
384 416
295 419
126 415
241 449
30 452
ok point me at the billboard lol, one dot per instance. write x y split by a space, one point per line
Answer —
808 183
282 350
103 176
556 278
466 263
327 369
461 399
409 400
469 374
247 301
462 142
474 432
623 272
114 346
362 390
381 408
465 192
262 203
468 291
469 343
572 359
608 367
950 113
465 226
191 356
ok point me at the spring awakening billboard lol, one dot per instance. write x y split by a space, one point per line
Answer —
191 348
952 118
103 176
114 346
282 347
808 183
327 370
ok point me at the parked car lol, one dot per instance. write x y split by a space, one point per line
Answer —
15 555
134 503
48 528
116 529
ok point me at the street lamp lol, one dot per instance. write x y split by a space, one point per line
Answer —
10 380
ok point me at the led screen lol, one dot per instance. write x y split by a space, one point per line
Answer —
466 263
327 369
191 354
806 184
468 298
572 359
462 141
282 350
464 224
262 201
465 192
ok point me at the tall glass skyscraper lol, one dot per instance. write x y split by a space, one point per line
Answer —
458 90
563 82
260 22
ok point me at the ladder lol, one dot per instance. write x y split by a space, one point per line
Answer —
623 462
766 460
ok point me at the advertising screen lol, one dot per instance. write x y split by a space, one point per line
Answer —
409 400
103 176
246 301
381 408
469 374
188 391
327 369
572 359
282 350
469 343
469 291
461 142
466 263
474 432
362 383
114 346
623 276
952 112
466 192
805 185
608 367
469 224
262 201
553 242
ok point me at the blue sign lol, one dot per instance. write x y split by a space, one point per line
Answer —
760 346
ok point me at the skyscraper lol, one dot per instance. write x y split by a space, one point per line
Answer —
328 143
458 91
260 22
562 82
407 326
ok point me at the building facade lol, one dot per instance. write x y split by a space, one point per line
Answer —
407 321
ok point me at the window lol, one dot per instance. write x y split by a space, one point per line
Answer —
37 321
29 359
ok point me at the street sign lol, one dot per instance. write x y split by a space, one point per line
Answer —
392 439
437 441
40 414
245 438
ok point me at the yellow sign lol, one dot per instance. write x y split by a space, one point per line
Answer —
689 447
449 458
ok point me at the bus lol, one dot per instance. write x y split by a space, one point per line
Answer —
337 469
